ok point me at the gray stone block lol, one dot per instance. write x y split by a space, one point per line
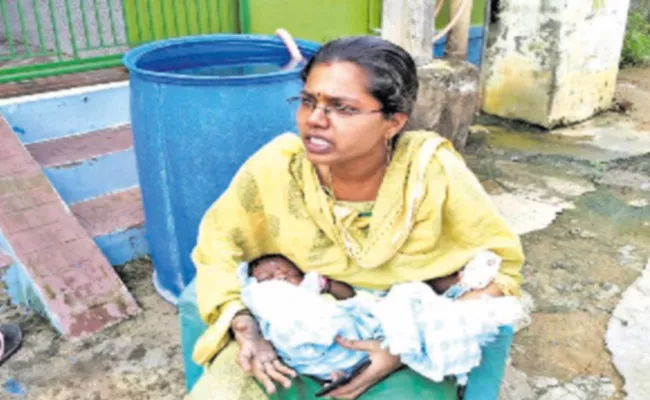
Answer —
447 99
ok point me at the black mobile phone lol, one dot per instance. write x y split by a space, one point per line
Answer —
329 387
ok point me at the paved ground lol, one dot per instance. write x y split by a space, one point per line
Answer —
579 196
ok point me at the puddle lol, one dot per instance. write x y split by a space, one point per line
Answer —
616 214
611 132
579 147
607 137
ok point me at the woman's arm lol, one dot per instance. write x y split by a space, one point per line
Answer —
474 222
232 230
224 238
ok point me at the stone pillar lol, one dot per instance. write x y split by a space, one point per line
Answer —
458 38
553 62
409 24
447 99
448 94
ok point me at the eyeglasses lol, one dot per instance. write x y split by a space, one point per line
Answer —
339 109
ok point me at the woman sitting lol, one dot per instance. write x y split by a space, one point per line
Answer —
354 198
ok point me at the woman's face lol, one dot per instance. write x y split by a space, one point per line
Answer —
353 129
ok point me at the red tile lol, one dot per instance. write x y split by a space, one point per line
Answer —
13 165
30 218
29 198
110 213
5 260
72 149
32 239
45 261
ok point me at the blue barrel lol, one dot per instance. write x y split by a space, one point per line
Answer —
200 106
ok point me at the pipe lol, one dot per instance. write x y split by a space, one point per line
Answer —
452 22
296 56
458 38
438 9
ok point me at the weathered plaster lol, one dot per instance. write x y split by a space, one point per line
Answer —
553 62
628 338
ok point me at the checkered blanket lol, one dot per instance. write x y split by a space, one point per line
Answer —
434 335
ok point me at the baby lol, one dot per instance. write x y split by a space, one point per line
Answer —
279 267
434 335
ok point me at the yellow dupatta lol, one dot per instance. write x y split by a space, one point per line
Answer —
431 216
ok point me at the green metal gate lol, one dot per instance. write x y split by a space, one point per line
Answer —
51 37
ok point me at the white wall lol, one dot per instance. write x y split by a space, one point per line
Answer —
553 62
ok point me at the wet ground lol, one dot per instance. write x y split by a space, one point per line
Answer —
579 196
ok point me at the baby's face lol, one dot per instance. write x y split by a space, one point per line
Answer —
277 268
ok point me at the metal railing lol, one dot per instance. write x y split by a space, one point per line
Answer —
50 37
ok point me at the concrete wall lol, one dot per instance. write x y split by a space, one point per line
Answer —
67 25
552 62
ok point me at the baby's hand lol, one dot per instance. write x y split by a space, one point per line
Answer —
340 290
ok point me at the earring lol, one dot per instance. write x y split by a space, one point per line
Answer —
389 151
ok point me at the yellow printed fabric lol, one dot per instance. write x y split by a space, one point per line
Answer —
431 217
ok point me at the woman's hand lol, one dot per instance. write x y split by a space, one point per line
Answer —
382 364
258 357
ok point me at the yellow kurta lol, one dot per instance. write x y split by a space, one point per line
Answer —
431 216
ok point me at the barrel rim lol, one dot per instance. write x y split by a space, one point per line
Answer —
133 56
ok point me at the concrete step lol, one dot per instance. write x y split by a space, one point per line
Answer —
116 223
88 165
74 149
55 115
57 268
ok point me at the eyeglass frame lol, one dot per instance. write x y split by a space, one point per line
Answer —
327 109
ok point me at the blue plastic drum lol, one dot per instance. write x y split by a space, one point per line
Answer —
200 106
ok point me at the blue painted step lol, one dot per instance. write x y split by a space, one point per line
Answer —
116 223
58 115
85 166
95 174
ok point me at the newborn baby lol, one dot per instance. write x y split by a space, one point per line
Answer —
300 323
279 267
433 335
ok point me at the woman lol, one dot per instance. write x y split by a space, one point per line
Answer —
356 199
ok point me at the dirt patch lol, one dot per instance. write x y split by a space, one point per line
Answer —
137 359
551 347
633 89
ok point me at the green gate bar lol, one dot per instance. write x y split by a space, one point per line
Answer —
62 36
55 37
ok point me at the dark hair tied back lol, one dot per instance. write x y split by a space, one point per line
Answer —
391 71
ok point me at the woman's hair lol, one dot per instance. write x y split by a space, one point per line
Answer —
391 71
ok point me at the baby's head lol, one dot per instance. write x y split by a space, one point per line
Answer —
275 266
